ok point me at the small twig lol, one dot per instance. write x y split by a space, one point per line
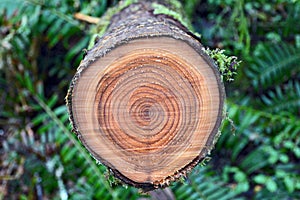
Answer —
86 18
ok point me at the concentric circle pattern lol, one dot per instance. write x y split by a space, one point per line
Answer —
147 109
148 102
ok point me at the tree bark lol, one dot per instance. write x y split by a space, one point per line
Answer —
146 100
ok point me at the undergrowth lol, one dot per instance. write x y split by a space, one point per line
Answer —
40 47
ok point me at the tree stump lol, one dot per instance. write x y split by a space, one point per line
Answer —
147 101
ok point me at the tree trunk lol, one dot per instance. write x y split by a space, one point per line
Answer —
146 100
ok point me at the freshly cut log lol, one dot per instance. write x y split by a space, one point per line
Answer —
146 100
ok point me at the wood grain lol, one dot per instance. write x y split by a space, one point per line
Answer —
148 107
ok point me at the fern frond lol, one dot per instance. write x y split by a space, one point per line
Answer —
283 99
275 65
9 7
272 118
202 186
282 125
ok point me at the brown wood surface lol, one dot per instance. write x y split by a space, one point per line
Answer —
146 101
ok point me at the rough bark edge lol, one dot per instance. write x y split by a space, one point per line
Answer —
105 20
179 34
170 8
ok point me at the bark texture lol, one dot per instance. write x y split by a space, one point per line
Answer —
146 100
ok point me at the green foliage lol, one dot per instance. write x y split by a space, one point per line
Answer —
272 146
40 47
38 58
260 161
201 184
271 133
274 64
285 99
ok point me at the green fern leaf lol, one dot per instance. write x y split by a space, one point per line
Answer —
200 185
275 65
283 99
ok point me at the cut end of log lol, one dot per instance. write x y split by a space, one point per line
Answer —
147 109
146 101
